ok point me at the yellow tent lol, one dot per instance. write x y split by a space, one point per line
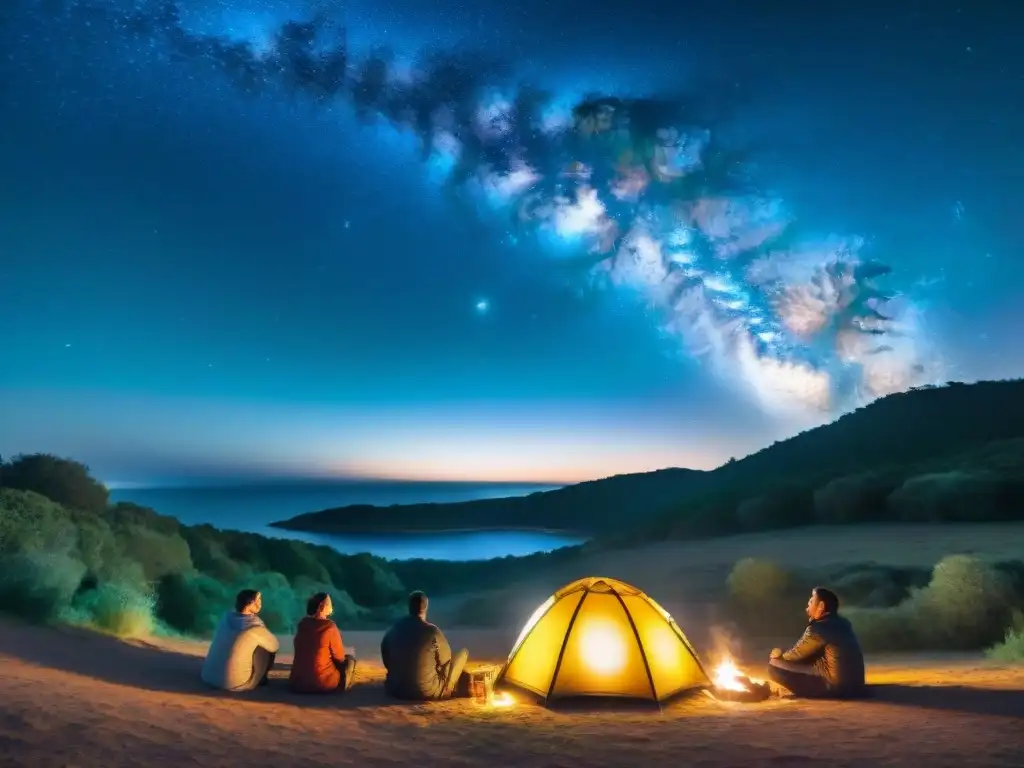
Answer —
601 637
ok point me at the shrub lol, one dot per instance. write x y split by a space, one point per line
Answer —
1012 647
117 609
38 586
753 582
29 522
955 496
875 586
898 628
367 580
293 559
61 480
209 555
967 605
156 553
191 604
765 598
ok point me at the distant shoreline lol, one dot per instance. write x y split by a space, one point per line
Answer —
286 525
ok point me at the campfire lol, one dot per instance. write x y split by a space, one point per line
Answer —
502 700
730 684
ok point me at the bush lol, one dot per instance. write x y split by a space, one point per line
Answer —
967 605
191 604
38 586
764 598
753 582
1012 647
61 480
875 586
209 555
367 579
954 496
156 553
890 629
117 609
30 522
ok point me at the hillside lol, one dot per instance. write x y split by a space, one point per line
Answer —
876 450
586 508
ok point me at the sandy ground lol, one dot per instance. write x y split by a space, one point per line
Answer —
73 698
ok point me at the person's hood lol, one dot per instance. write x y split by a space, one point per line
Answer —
314 625
240 622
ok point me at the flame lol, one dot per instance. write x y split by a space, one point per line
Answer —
502 700
728 677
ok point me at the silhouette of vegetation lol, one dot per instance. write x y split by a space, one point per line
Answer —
127 570
946 454
1012 647
933 454
962 604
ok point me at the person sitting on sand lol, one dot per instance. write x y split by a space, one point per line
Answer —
826 661
418 659
320 664
243 649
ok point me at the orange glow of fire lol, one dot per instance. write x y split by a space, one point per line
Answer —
727 677
502 700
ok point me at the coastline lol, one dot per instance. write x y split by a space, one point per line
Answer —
405 530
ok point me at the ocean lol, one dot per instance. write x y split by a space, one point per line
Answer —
251 508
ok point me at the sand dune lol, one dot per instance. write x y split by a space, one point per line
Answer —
74 698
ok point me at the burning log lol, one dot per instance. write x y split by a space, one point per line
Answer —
729 684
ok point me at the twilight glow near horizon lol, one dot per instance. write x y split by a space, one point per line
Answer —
234 247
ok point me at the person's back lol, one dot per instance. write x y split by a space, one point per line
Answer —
320 664
242 650
417 657
841 662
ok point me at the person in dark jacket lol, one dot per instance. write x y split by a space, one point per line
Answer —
320 664
418 659
826 661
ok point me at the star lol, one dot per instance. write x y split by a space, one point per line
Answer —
482 306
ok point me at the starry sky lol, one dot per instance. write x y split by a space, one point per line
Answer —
204 279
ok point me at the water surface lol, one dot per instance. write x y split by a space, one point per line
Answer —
253 508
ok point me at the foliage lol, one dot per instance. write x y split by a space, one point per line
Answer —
963 604
130 571
765 599
64 481
952 453
967 605
1012 647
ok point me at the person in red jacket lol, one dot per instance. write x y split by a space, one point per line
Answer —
320 664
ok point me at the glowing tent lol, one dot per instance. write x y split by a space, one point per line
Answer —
600 637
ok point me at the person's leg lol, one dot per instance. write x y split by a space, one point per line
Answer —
455 672
799 679
262 663
347 668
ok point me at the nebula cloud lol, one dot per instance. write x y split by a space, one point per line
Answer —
645 190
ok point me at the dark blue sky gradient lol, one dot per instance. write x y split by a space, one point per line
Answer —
195 282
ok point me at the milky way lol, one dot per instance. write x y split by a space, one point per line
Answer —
645 191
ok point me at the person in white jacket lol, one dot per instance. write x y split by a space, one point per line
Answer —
243 649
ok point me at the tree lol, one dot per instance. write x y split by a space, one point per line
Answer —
64 481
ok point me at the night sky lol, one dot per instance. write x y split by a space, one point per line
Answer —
206 272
